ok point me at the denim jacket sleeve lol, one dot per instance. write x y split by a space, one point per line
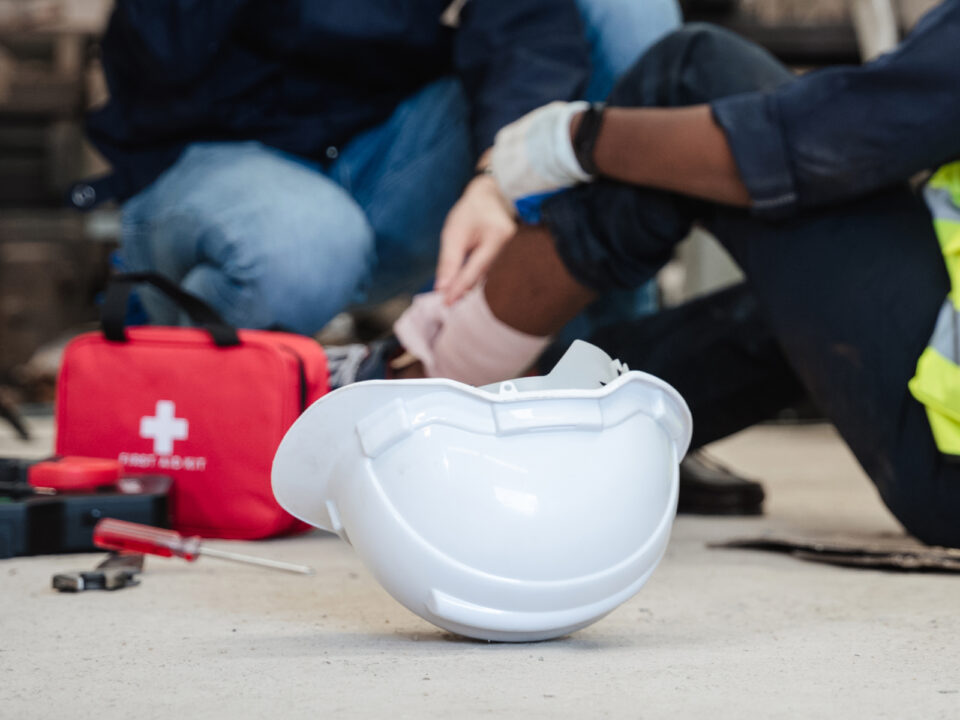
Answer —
515 55
842 133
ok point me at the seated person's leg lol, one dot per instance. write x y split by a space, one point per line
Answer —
718 352
619 33
612 236
262 237
852 295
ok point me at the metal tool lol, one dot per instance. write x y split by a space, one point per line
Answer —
17 490
125 536
118 571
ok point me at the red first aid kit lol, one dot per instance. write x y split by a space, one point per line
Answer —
206 405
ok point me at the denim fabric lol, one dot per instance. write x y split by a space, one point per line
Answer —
842 133
301 75
273 240
839 301
619 33
612 235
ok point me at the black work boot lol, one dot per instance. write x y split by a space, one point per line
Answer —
709 488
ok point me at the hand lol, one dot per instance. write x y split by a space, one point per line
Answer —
534 155
475 231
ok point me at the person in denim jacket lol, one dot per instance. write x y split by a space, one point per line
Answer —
284 159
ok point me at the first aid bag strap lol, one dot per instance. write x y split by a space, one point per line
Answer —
114 313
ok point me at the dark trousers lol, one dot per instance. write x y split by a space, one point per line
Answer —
838 303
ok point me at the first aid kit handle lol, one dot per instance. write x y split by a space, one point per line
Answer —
114 314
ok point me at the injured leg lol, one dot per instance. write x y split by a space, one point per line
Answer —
497 330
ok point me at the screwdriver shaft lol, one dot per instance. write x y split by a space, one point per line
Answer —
249 559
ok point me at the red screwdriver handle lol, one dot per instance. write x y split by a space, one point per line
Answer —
111 534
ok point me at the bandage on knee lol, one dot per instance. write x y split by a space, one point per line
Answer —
466 342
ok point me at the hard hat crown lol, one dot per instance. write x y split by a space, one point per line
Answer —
517 511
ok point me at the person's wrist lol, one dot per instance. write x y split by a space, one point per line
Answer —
485 182
562 165
575 121
483 176
483 171
584 131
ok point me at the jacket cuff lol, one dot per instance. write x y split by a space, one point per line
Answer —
753 129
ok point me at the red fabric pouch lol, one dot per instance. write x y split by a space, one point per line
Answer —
207 406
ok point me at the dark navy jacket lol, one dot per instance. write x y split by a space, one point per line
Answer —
302 75
842 133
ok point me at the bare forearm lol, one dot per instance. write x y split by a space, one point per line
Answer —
677 149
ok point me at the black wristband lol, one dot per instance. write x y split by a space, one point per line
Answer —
585 139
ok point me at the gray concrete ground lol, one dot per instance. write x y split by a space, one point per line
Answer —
715 634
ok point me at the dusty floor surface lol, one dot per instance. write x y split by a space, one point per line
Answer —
715 634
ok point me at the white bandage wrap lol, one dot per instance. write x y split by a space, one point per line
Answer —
534 155
466 342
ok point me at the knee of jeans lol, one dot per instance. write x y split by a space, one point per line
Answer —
294 268
698 42
304 284
695 64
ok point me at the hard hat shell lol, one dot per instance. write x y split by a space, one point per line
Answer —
519 511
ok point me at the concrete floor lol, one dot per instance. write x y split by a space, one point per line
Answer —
715 634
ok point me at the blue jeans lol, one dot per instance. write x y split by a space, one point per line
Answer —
274 240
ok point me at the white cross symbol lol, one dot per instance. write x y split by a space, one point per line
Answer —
164 428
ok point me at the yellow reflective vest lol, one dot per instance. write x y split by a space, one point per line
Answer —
937 382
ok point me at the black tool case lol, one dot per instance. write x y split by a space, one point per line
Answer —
63 523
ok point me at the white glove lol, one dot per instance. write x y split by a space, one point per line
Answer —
534 155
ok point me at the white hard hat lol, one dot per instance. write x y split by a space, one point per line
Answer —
518 511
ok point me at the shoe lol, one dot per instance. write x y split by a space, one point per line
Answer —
709 488
349 364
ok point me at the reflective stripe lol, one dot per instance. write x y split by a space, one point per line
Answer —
935 386
941 203
946 333
936 383
948 233
947 178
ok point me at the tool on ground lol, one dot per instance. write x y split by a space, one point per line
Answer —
113 534
38 519
18 490
118 571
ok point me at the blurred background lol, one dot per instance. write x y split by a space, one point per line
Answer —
54 261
